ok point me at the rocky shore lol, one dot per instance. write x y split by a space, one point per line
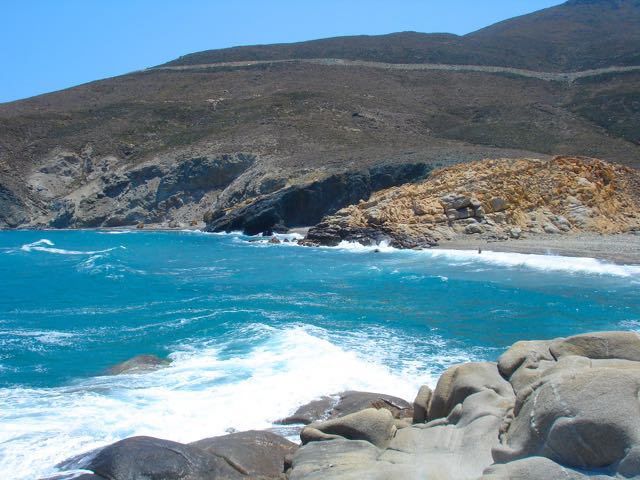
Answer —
493 201
562 408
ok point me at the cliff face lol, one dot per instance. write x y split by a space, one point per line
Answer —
314 123
494 199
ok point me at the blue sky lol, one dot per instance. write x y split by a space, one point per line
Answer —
48 45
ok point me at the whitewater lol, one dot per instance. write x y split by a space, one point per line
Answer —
254 329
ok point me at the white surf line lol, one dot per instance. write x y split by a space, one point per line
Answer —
547 76
540 262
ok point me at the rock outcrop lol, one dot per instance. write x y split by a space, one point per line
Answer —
563 408
495 200
305 204
83 191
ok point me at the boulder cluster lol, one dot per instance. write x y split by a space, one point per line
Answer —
567 408
495 200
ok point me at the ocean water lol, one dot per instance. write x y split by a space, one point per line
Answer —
254 329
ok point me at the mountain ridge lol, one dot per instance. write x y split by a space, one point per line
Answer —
486 46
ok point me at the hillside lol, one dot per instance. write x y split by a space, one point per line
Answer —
255 146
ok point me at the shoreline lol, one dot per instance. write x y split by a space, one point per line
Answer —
622 249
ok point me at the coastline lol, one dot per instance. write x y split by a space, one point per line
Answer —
621 248
179 407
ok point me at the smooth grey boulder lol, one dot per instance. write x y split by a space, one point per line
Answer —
353 401
586 419
525 353
458 448
148 458
371 425
535 468
569 410
255 452
454 448
599 345
335 459
421 404
74 476
460 381
139 364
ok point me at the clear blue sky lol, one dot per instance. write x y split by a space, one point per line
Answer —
48 45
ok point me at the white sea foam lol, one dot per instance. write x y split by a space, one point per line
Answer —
288 236
538 262
115 232
234 233
585 265
45 245
359 248
51 337
201 394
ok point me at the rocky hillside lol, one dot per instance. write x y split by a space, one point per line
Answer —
277 144
496 200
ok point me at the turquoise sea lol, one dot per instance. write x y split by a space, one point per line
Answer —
254 329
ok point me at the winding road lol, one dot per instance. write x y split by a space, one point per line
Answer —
547 76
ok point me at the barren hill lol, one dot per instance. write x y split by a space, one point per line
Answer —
276 144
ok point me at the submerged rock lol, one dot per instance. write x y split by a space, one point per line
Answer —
139 364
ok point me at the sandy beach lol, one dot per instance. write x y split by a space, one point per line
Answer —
621 248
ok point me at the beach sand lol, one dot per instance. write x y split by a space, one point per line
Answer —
621 248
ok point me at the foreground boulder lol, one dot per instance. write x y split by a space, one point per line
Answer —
457 446
578 404
255 453
148 458
249 455
374 426
565 408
